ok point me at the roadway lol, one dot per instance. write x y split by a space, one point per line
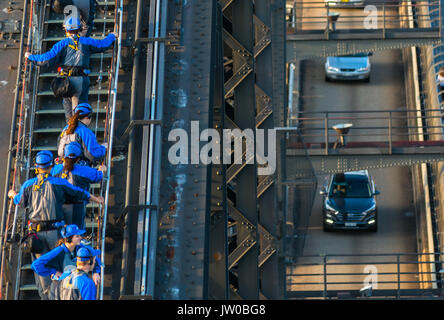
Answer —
396 233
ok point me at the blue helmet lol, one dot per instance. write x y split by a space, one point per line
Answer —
86 253
71 230
72 150
71 24
43 159
84 108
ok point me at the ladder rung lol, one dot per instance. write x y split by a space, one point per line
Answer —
61 111
100 20
41 148
56 39
54 74
26 267
94 91
99 3
57 130
90 224
92 205
28 287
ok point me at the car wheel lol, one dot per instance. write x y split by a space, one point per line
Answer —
367 80
327 79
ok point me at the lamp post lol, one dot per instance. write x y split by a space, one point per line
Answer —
332 18
342 129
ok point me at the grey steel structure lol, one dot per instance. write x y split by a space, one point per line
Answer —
208 230
381 26
254 91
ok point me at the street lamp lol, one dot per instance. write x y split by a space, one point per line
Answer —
332 18
342 129
366 291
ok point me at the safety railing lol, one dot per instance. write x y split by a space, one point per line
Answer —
396 275
381 16
109 131
371 128
26 104
10 213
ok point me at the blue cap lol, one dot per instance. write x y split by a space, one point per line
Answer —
71 24
84 108
85 253
43 159
72 150
71 230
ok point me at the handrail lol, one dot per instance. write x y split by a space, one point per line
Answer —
326 278
110 143
387 17
97 116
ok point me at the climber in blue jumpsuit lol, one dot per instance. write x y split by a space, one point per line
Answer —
79 174
77 130
76 284
43 197
72 56
56 261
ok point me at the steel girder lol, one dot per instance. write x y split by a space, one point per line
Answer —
254 38
218 281
173 240
299 49
335 163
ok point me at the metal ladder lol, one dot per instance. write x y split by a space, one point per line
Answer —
47 119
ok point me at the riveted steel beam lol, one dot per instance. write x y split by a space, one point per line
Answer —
244 116
184 219
218 283
298 49
324 164
254 91
271 19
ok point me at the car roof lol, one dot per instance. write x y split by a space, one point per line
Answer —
354 175
359 172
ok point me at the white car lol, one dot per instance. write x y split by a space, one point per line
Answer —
344 3
349 67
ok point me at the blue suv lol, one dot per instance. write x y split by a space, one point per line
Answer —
349 202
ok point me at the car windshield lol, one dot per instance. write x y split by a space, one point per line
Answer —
357 55
351 188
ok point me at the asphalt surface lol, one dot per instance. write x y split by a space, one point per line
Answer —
396 224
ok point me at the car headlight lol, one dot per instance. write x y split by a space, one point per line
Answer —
363 69
330 209
332 69
372 209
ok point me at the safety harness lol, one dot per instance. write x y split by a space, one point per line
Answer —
37 226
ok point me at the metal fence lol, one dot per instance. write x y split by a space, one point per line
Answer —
369 128
310 15
397 275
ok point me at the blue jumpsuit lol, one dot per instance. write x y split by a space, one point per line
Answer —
74 51
77 285
91 149
44 196
57 260
81 176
